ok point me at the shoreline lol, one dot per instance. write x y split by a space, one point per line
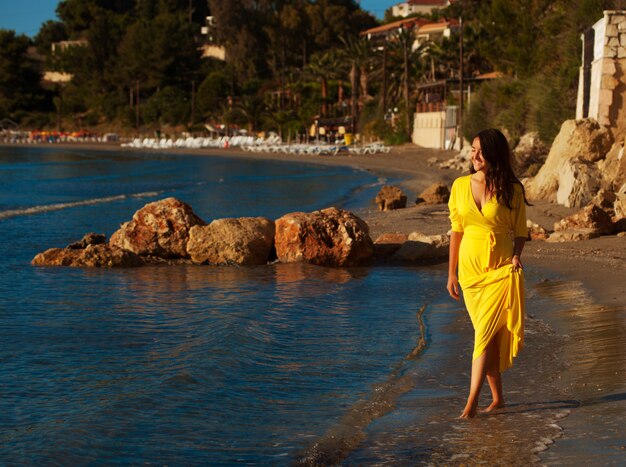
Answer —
583 276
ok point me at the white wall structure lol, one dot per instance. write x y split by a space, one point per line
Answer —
410 7
602 78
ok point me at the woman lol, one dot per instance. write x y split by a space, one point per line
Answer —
488 216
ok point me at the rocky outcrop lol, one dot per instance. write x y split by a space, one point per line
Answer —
158 229
390 197
459 162
388 243
437 193
613 168
244 241
570 175
330 237
588 223
88 239
420 247
535 231
573 235
529 154
93 255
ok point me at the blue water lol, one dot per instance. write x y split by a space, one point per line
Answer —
187 365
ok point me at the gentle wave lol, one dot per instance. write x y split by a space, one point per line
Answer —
334 446
60 206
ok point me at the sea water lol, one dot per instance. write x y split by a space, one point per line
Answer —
266 365
187 364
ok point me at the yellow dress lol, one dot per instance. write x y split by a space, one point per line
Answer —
492 290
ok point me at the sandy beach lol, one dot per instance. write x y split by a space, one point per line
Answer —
573 370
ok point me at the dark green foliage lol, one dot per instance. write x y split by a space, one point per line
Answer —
19 79
291 61
537 44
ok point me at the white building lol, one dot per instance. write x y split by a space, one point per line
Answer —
410 7
602 79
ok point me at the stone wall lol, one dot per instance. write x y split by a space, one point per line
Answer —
608 74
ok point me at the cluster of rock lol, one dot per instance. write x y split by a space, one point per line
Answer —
582 160
169 231
392 197
460 161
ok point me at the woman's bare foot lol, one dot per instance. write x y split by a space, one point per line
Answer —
469 411
494 405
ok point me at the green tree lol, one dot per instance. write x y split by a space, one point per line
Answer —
19 80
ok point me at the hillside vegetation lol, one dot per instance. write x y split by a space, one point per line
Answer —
136 65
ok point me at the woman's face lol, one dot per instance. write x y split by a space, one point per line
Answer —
478 161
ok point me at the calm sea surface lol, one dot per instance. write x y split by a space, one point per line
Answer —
184 364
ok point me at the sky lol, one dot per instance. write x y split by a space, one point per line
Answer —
27 16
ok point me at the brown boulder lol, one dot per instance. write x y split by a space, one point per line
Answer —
390 197
97 256
437 193
330 237
529 152
88 239
245 241
158 229
572 235
423 247
388 243
613 168
535 231
590 217
570 175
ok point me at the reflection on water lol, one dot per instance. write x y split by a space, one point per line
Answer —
596 378
199 363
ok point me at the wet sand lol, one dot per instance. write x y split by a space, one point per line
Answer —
567 391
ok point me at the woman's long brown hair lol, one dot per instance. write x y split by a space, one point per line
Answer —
500 177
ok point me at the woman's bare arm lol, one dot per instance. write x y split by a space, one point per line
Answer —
453 281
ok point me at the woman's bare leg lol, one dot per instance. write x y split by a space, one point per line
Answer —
487 361
494 378
476 383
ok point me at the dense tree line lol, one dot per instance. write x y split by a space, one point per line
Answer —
138 63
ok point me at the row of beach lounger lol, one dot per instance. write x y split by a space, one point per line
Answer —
252 144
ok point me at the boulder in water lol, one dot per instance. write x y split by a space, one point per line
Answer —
330 237
245 241
158 229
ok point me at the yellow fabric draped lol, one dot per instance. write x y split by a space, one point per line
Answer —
492 290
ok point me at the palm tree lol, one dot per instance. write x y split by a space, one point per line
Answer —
406 64
252 108
359 54
323 67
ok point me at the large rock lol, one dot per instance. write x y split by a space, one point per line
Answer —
330 237
421 247
245 241
579 183
591 217
572 235
437 193
613 168
529 152
88 239
388 243
535 231
390 197
98 255
569 175
158 229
